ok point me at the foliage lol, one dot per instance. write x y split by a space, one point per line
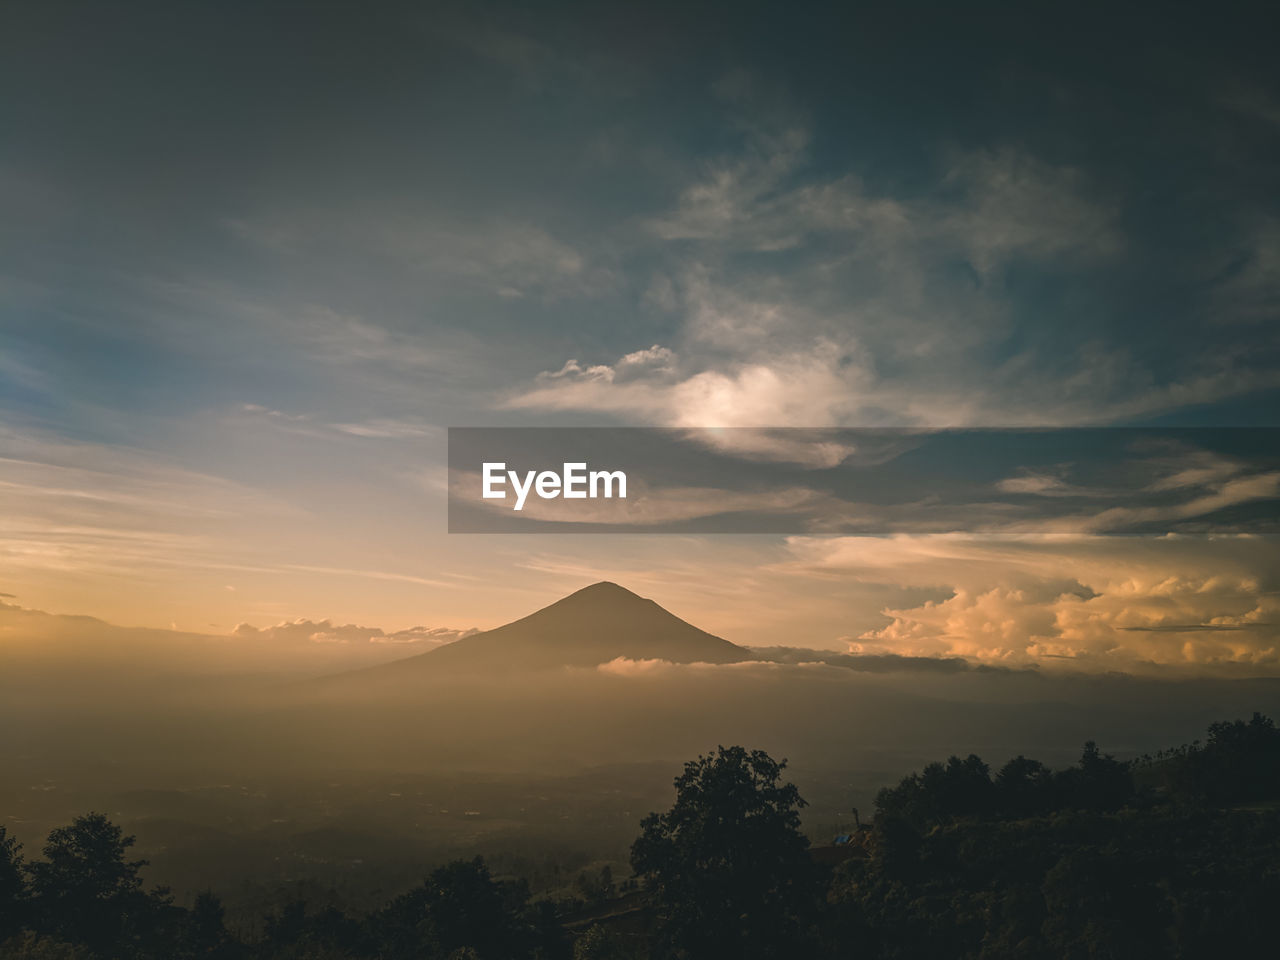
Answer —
1240 763
1151 883
944 793
459 905
1173 855
13 891
601 943
727 864
30 945
85 890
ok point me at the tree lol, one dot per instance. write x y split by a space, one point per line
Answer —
595 889
601 943
459 906
1241 761
85 891
940 793
31 946
13 886
727 863
206 928
1024 787
1099 782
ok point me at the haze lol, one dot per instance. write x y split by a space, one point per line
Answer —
256 259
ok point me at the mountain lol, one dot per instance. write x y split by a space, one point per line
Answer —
596 624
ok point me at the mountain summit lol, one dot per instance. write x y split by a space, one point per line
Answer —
596 624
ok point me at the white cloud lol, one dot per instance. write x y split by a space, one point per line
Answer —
655 357
1094 602
801 389
303 631
577 373
389 428
807 344
661 669
1040 484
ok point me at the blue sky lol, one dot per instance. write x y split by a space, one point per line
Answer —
254 257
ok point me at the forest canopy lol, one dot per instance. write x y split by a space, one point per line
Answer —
1171 854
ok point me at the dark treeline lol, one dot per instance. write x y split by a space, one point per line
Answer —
1171 855
1240 762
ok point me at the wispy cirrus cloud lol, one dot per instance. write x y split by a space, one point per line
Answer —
811 300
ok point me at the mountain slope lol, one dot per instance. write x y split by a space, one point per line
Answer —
596 624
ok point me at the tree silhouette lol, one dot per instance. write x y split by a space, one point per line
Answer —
13 887
206 928
1099 782
728 865
459 906
1024 787
941 793
85 891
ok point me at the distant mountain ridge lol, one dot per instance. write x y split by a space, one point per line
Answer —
592 626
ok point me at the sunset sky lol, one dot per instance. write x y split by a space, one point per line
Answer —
254 262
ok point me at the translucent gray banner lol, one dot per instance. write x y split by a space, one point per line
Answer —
864 481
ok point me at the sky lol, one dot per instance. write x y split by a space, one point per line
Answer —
256 258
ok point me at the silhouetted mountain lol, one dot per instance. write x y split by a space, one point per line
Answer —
596 624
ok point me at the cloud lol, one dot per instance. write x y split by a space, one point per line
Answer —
58 645
1152 482
651 361
1038 484
793 661
304 631
259 410
505 258
1096 603
647 505
624 667
867 662
511 259
743 202
652 358
389 428
1234 492
809 448
1250 291
79 508
377 428
660 669
991 206
577 373
810 389
1015 206
811 299
801 346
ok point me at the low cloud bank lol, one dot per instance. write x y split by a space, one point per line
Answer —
325 631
